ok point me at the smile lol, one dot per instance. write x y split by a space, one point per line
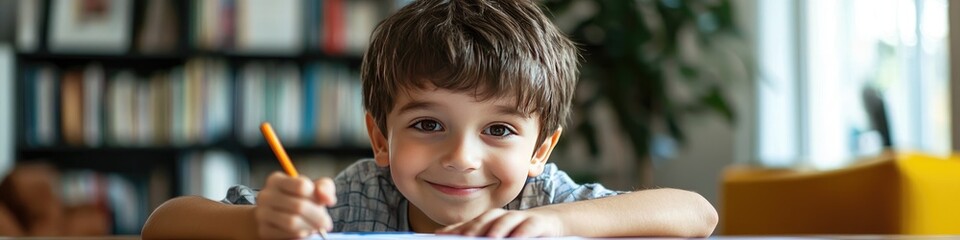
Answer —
456 190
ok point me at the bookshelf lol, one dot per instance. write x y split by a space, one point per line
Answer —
169 114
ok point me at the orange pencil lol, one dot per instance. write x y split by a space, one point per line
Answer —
274 143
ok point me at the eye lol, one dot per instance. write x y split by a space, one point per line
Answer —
427 125
498 130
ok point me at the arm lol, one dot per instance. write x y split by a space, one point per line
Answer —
9 226
658 212
200 218
286 208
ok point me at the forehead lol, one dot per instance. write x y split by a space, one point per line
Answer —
459 104
445 97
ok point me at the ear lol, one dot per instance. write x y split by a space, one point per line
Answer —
381 152
542 153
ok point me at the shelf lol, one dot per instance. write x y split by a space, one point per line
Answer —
161 171
100 57
98 161
173 152
351 60
265 151
143 159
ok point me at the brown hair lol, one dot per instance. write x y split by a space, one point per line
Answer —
494 48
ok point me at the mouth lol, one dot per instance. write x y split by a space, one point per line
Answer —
456 190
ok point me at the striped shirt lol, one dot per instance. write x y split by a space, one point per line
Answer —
368 201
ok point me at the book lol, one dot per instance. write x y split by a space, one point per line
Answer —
211 173
93 78
161 114
328 120
197 103
71 107
121 110
251 82
29 19
221 170
333 27
219 101
159 31
269 26
178 107
205 22
193 104
310 106
289 103
362 16
146 100
46 105
313 29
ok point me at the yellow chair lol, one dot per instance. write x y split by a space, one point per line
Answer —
905 194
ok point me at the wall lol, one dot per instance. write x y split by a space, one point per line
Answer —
713 144
954 15
6 86
6 108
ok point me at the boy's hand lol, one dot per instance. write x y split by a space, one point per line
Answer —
499 223
294 207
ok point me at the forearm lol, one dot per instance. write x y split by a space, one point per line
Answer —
199 218
9 227
658 212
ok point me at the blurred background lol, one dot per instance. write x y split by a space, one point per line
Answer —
110 107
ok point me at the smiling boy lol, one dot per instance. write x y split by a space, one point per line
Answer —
465 102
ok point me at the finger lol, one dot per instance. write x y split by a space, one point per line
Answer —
315 215
326 191
501 227
481 224
272 224
287 222
449 228
300 187
319 219
271 232
526 229
284 202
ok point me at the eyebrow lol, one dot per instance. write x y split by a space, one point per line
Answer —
416 105
426 105
510 111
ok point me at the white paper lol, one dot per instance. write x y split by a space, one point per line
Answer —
398 235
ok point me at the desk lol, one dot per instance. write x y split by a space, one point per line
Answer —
77 238
845 237
784 237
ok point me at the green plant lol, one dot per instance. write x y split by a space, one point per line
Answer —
655 63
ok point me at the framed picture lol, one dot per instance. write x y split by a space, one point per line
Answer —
90 26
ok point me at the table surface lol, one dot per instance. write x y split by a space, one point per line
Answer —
784 237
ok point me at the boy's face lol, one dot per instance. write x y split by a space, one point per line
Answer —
454 157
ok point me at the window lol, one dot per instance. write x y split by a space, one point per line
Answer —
817 56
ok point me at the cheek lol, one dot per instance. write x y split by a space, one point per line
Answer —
407 158
511 167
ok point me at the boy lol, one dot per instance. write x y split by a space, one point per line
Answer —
465 101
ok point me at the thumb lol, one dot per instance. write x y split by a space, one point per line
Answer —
326 191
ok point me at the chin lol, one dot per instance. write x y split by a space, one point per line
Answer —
447 218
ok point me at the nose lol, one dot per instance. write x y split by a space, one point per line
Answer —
463 155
